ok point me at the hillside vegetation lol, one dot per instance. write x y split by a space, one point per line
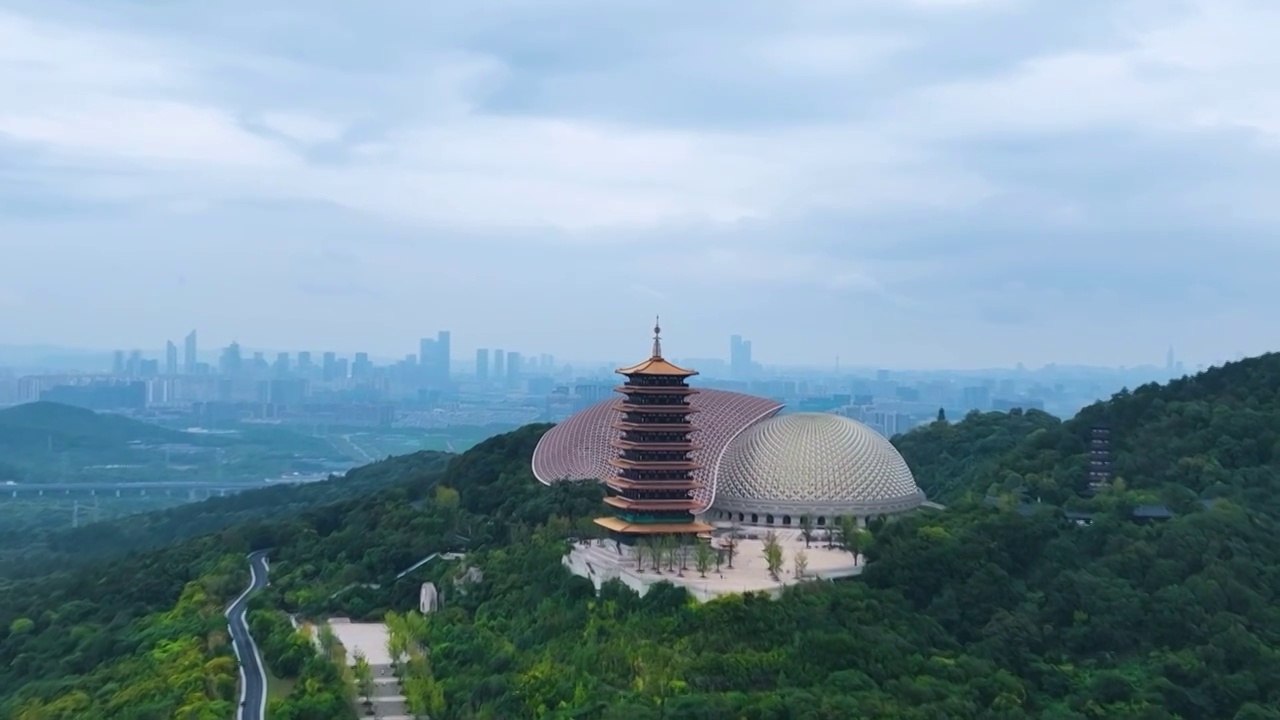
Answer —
1211 435
977 612
26 554
29 434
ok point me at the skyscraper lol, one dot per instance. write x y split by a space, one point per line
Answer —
281 365
740 364
231 360
482 364
134 366
329 370
189 361
117 363
499 363
513 367
443 358
428 357
362 367
170 358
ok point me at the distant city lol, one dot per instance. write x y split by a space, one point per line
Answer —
433 389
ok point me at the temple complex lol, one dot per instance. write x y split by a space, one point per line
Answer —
651 491
744 482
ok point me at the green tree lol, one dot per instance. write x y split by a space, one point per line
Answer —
773 555
364 679
806 529
800 563
702 558
447 498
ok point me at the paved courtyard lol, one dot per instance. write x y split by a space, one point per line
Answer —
750 572
369 639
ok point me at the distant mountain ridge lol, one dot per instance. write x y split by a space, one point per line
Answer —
21 422
44 442
41 440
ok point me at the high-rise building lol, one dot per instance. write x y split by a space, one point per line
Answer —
434 358
361 368
427 360
513 367
652 492
230 363
304 363
281 366
482 364
189 359
170 358
444 362
329 369
133 367
117 363
499 363
740 363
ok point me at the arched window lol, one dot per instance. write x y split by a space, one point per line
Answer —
822 520
786 519
755 518
768 519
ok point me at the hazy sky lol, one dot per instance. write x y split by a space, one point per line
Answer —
897 182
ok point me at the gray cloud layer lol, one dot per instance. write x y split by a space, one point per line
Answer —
930 182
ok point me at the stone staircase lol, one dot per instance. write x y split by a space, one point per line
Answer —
388 698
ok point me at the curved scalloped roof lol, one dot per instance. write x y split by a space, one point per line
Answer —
578 448
814 463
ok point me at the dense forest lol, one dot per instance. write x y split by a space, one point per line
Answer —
982 611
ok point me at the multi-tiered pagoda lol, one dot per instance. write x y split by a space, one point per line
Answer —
651 492
1100 457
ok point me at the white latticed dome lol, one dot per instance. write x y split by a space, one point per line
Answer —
813 464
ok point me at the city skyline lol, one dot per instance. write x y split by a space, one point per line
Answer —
737 360
902 184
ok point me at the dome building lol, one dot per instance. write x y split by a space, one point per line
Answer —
815 464
581 447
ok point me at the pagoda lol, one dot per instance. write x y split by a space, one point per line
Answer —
1100 457
652 490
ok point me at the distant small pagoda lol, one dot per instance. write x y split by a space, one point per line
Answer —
652 491
1100 457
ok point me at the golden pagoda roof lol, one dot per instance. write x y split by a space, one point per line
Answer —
619 525
656 364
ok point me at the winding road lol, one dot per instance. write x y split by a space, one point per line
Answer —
253 675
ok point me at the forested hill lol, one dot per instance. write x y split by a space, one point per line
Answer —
29 554
975 612
1214 434
42 440
46 424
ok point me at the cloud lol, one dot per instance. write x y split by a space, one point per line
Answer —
1018 167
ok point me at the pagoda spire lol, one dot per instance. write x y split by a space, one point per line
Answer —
657 338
